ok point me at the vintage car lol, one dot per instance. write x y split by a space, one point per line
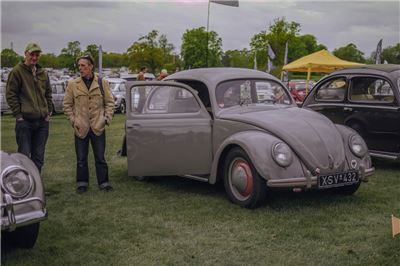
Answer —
3 105
58 92
211 124
23 203
366 99
118 89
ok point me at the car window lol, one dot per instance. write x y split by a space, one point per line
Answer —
163 100
115 87
238 92
370 89
332 90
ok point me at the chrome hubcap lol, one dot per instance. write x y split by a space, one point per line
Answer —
240 179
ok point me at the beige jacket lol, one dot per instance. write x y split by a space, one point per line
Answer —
85 108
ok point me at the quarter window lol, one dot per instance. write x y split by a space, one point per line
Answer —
371 89
332 90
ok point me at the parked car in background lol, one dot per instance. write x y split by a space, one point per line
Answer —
23 203
58 91
298 89
118 89
133 77
366 99
242 127
4 105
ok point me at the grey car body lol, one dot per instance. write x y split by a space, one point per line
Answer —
366 99
118 89
23 203
58 92
4 105
216 124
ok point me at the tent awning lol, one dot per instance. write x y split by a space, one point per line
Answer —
321 61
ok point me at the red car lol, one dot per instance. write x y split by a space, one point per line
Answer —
298 89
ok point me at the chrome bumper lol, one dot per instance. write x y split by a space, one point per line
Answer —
311 180
10 221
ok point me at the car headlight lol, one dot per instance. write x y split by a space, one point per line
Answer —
16 181
357 146
282 154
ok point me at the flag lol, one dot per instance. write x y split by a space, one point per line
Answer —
234 3
395 226
378 52
271 53
255 59
285 59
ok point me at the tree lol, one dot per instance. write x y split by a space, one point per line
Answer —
195 52
303 45
9 58
150 52
392 54
238 58
49 60
69 55
350 53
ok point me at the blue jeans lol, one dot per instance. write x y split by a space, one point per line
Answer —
31 136
82 149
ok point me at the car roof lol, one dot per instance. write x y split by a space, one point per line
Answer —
218 74
115 80
367 69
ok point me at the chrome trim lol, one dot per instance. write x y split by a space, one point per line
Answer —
309 180
384 156
11 221
11 168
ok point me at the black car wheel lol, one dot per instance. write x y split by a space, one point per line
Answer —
243 184
122 107
359 128
24 237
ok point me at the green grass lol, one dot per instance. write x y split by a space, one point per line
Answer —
174 221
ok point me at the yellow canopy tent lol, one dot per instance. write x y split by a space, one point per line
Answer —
321 61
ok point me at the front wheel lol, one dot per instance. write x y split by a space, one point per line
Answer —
24 237
243 184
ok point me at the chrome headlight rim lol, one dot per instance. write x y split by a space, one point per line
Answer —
355 141
277 150
13 168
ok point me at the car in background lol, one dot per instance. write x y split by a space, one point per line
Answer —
4 105
133 77
23 204
118 90
243 128
298 89
366 99
58 91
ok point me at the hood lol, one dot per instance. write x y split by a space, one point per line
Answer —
312 136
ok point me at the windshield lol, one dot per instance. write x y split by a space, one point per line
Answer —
251 91
117 86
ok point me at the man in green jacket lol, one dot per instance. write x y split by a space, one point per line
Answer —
29 97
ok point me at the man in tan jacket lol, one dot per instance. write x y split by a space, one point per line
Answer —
89 109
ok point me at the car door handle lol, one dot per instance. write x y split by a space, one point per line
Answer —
134 126
348 109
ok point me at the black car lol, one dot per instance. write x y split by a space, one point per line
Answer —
367 99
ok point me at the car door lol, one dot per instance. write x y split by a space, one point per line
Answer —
375 108
329 99
168 130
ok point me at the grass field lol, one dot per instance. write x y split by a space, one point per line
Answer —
173 221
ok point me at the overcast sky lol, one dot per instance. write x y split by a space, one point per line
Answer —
116 25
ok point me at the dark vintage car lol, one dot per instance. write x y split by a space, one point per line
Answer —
242 127
366 99
23 203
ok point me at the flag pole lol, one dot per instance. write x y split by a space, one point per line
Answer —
208 26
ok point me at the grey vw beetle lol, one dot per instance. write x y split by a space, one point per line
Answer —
240 126
23 203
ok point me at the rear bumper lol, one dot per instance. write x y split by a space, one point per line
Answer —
10 221
311 180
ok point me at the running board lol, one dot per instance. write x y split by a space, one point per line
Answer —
197 178
384 155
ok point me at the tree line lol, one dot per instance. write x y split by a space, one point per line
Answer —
200 48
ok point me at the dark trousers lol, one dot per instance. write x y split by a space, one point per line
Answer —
82 149
31 136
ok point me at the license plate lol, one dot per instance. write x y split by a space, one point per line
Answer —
338 179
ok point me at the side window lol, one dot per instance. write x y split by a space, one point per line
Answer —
371 89
332 90
162 100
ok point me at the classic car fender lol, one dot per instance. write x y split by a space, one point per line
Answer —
258 146
364 162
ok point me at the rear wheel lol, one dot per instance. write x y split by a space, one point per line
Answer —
122 107
243 184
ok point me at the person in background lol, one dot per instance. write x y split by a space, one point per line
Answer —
28 94
89 109
163 74
140 76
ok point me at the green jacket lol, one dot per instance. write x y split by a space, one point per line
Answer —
26 97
